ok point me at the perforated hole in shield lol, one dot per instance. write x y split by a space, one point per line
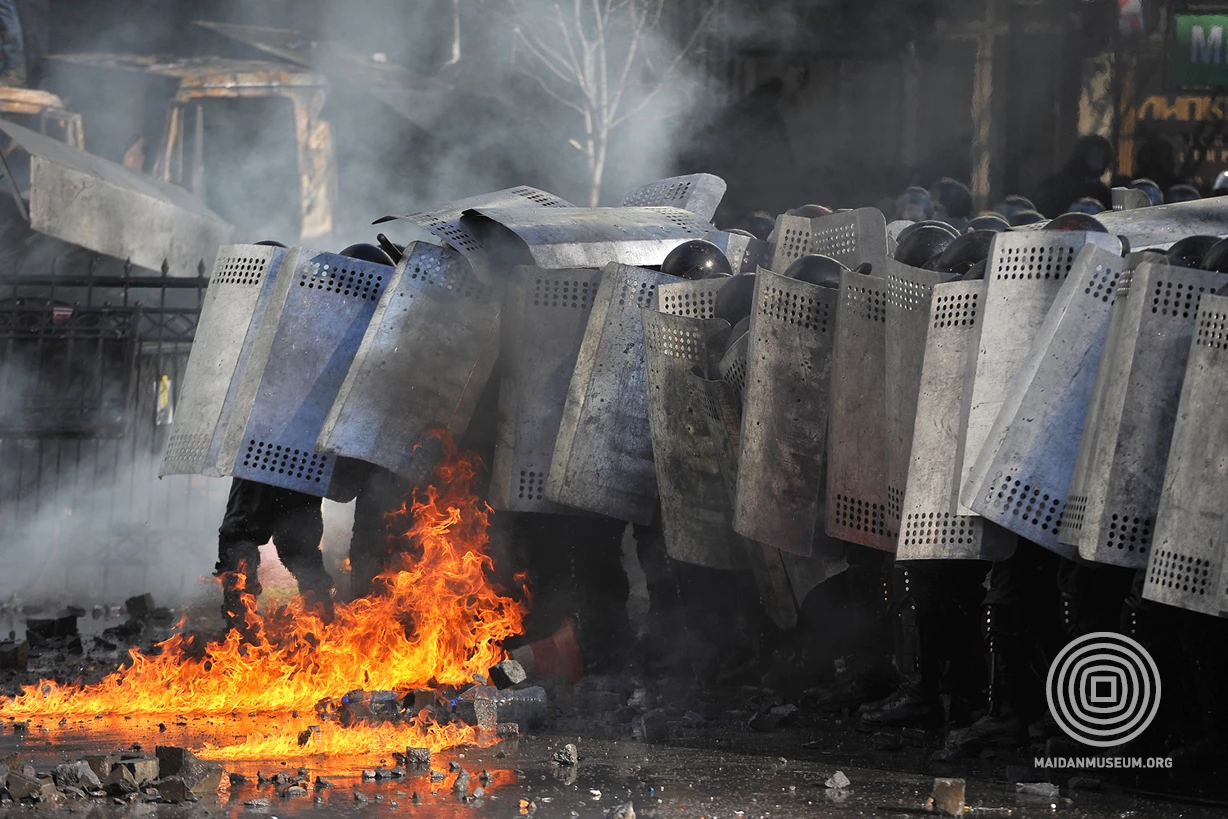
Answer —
186 448
794 243
1128 533
867 303
658 193
1018 496
833 240
956 310
562 293
299 464
545 200
787 307
735 374
443 272
1103 283
343 281
240 270
1034 263
1076 511
449 230
907 295
895 500
1180 572
638 294
861 515
532 484
686 344
692 304
1175 299
939 529
1212 331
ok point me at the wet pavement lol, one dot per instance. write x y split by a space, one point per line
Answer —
711 773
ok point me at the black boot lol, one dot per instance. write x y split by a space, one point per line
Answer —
916 704
1005 725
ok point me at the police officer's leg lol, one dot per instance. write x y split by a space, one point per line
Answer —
378 530
297 535
602 590
247 525
12 45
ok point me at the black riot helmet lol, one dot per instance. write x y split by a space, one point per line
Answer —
270 243
816 269
990 221
1013 205
760 227
1093 154
1154 194
368 253
733 300
809 211
1181 193
1026 217
1076 221
696 259
954 198
914 248
976 272
1190 251
1088 205
938 223
1217 257
740 329
964 253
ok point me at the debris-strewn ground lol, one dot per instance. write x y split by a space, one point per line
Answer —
611 746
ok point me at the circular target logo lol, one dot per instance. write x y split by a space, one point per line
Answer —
1103 689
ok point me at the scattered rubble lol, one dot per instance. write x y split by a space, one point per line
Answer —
417 756
837 781
1045 790
507 673
567 755
624 811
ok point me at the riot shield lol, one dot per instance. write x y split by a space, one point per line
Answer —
1021 478
1119 472
932 327
423 363
788 377
544 321
850 238
733 367
446 224
310 331
856 444
603 456
1185 568
239 289
695 510
1022 279
1129 199
564 238
909 292
699 193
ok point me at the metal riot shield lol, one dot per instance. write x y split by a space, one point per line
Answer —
724 418
544 321
447 224
239 289
733 367
909 290
603 456
788 377
1129 199
929 528
856 443
1119 472
423 363
563 238
1022 279
1185 568
699 193
1021 478
695 511
850 238
317 315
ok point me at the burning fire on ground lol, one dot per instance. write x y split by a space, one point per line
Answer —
438 621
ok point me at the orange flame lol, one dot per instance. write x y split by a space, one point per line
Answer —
436 619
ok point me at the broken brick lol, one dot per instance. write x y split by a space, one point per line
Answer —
479 712
567 755
173 789
22 787
143 768
949 796
120 782
507 673
139 607
76 775
14 655
417 756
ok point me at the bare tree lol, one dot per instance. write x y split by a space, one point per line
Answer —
600 58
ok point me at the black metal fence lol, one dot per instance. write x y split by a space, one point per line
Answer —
81 506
